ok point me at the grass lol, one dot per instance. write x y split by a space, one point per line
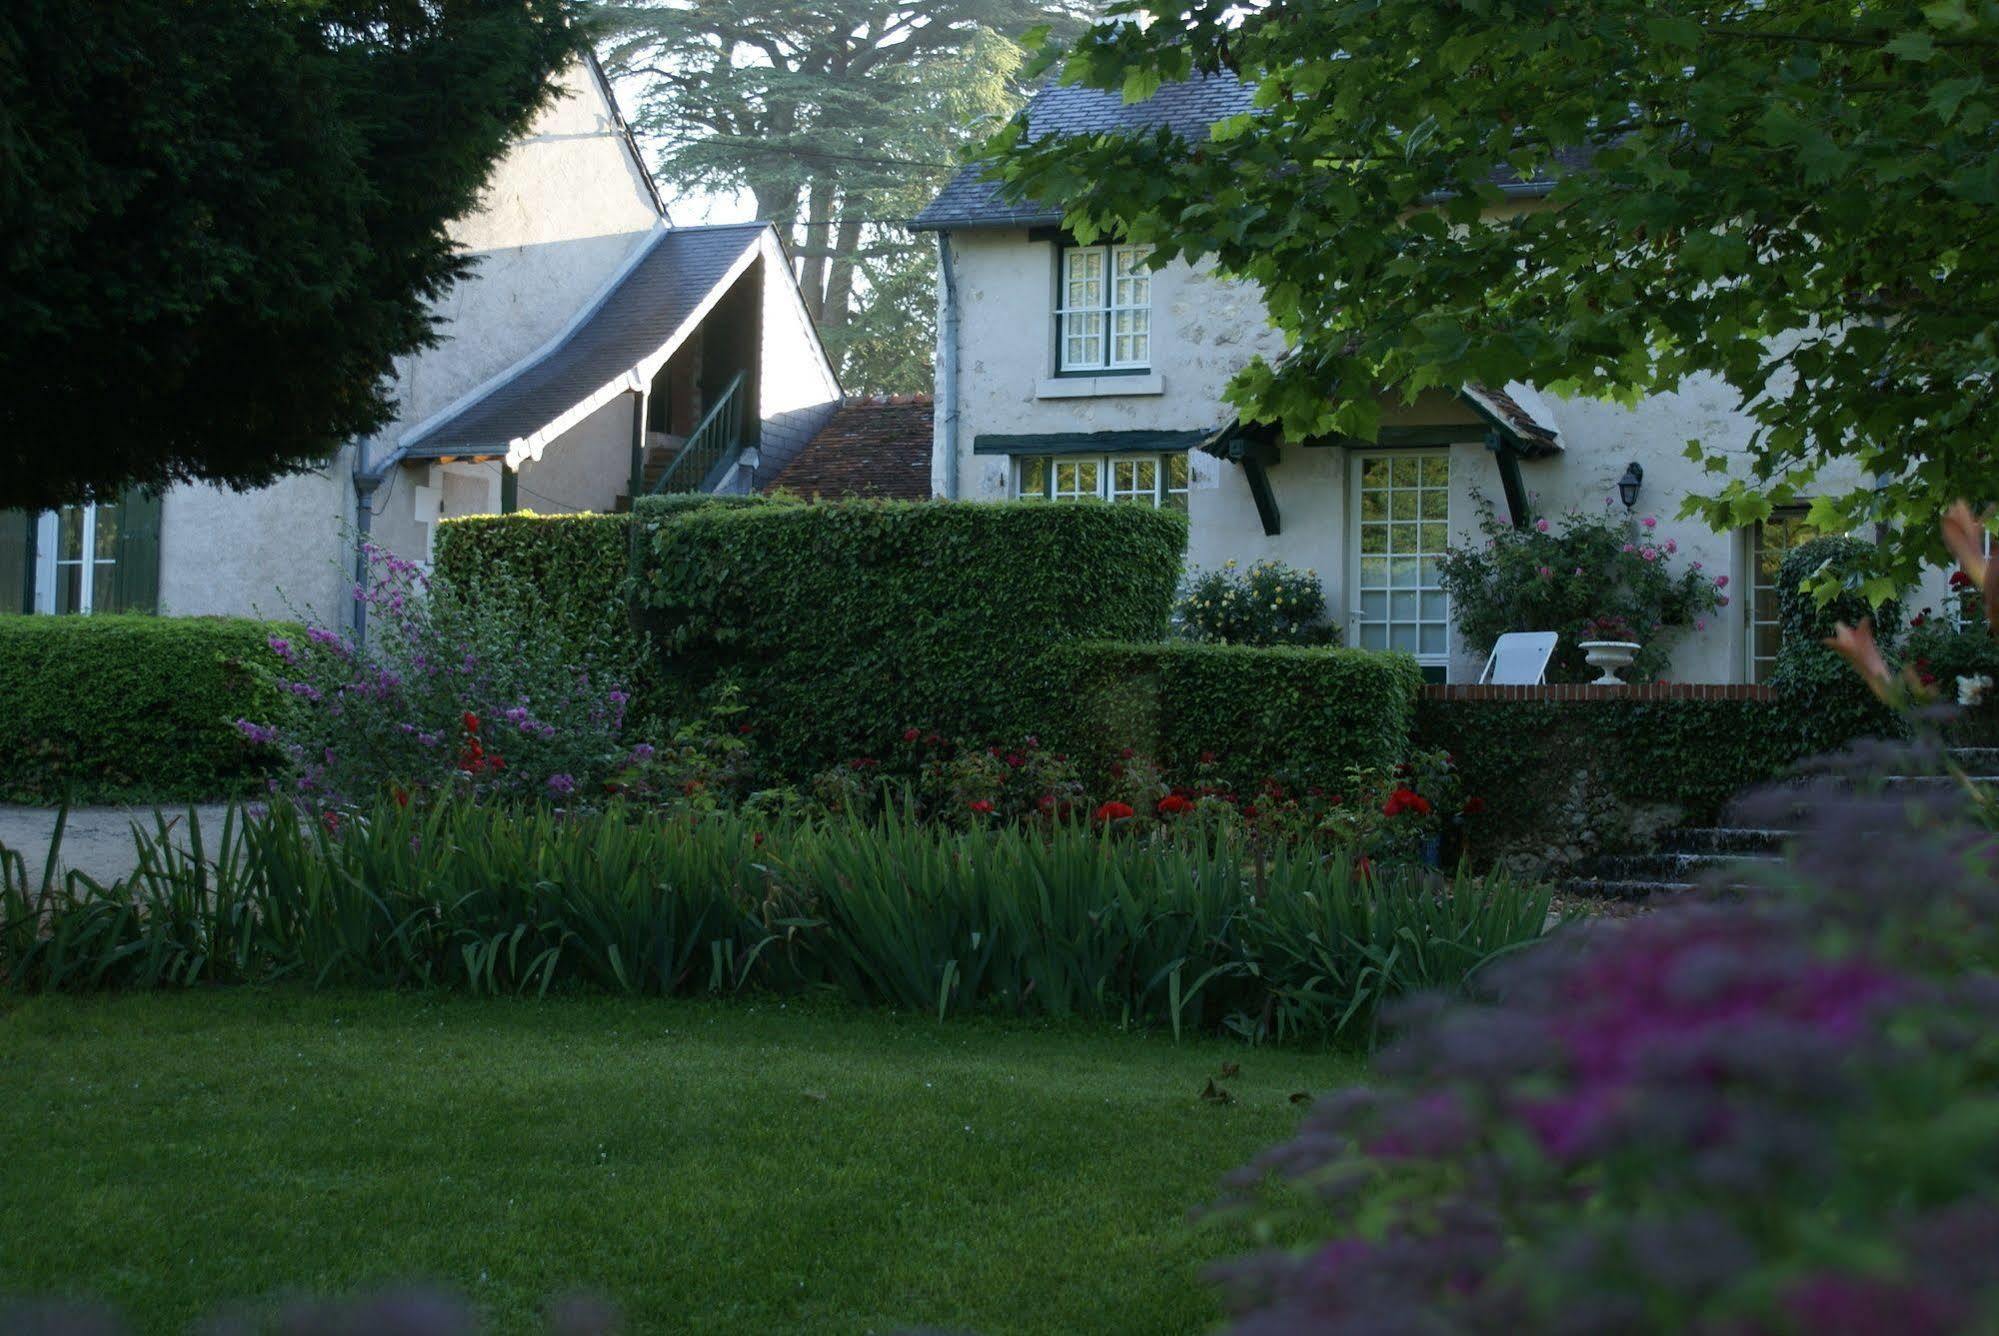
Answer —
741 1166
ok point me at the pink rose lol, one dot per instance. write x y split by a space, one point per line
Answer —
1546 574
1721 582
1672 546
1541 525
1649 522
1700 623
1628 548
1723 600
1649 553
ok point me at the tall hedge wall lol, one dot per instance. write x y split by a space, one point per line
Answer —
577 569
846 623
115 708
1297 714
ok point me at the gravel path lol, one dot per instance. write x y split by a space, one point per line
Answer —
96 840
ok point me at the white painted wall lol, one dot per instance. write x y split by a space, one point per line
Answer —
564 208
1206 328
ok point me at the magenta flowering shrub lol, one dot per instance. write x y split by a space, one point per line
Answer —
1772 1114
1587 577
449 691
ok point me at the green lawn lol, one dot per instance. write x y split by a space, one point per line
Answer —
715 1167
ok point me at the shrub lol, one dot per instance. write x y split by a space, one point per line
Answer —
845 623
469 686
1269 604
1071 920
1586 577
1771 1115
1829 705
1302 716
128 708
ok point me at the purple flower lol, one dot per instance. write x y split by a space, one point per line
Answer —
642 753
304 691
561 786
282 648
260 734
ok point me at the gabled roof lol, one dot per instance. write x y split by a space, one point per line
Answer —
871 447
1187 109
616 343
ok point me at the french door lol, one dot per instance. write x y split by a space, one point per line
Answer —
1399 531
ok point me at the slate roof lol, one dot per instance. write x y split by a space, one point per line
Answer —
872 447
650 308
1187 109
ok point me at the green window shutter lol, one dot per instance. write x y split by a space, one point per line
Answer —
136 578
17 561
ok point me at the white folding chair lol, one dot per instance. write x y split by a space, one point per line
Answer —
1519 659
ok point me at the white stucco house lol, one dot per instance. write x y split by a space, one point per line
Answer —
1072 371
595 349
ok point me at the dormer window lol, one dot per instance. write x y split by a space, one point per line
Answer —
1103 316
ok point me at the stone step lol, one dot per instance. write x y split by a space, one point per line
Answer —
1677 866
1650 890
1724 840
1982 759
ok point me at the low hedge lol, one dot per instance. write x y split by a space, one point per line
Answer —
1302 715
129 708
845 623
1579 776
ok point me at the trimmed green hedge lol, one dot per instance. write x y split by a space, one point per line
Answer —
1588 775
846 623
575 568
139 708
1302 715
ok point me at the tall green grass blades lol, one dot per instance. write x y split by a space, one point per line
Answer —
1063 921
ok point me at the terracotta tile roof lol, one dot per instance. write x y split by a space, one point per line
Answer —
872 447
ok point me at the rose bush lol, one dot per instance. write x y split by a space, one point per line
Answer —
1585 577
1269 604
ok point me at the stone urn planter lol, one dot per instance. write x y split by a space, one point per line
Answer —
1609 655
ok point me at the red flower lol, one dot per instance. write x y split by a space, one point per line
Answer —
744 730
1114 811
758 838
331 820
402 795
1959 580
983 806
1015 760
471 722
1046 802
1406 800
1207 758
1173 804
1125 753
1474 806
910 734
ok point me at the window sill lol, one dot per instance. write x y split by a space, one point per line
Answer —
1098 387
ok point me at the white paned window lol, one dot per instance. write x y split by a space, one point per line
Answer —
1103 317
1401 531
80 558
1141 479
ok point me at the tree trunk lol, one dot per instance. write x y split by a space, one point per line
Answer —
818 217
840 271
